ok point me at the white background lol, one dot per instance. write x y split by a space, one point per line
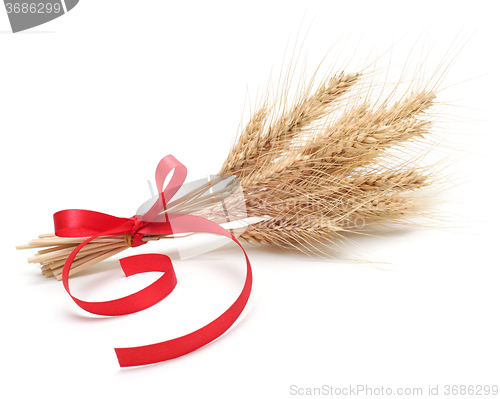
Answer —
90 102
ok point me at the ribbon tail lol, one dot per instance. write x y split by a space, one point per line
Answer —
131 265
159 352
166 350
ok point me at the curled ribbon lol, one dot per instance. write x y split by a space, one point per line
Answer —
84 223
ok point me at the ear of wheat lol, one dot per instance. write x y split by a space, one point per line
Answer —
311 171
325 166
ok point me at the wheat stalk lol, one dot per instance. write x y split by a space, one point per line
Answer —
57 249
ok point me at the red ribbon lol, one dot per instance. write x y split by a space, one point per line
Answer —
83 223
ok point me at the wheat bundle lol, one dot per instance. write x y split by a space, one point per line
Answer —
311 169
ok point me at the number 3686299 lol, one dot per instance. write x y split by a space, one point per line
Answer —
33 8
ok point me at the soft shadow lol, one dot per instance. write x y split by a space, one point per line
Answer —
100 267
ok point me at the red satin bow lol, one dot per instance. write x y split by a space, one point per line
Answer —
83 223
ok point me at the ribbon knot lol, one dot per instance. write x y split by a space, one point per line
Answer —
84 223
134 239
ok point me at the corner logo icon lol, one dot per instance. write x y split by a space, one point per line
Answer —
26 14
